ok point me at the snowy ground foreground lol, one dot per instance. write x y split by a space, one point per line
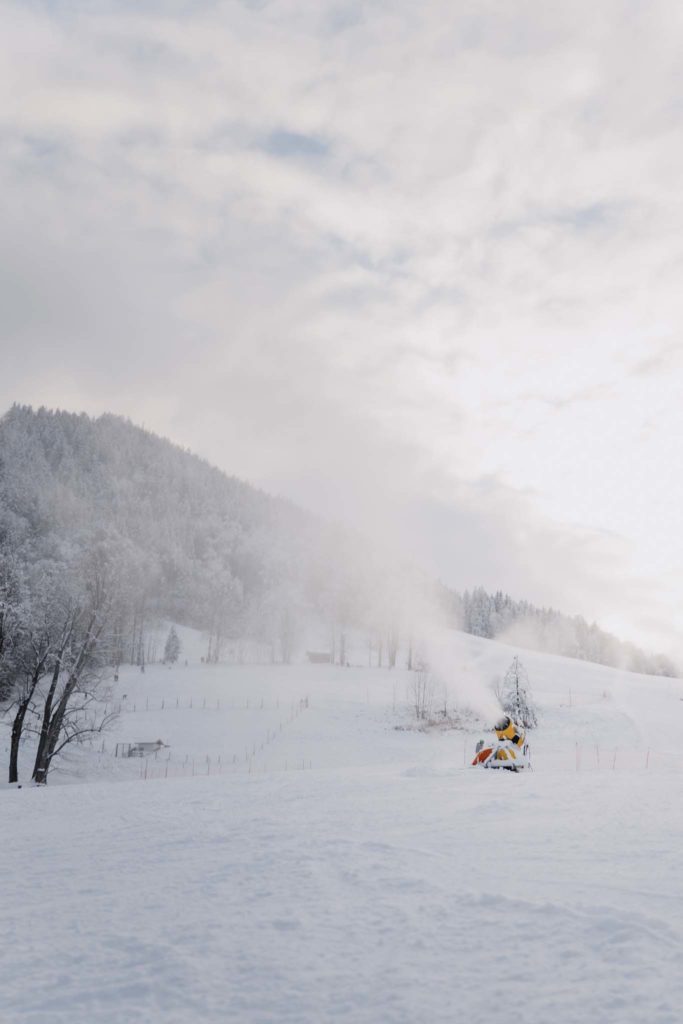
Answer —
387 883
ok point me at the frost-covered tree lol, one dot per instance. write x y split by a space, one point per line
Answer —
172 647
60 643
515 696
39 634
13 613
478 613
69 708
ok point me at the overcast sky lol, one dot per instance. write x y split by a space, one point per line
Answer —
417 265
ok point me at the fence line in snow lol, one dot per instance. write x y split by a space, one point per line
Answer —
594 757
161 765
591 757
166 768
195 704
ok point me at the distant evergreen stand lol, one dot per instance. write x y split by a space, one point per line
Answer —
515 697
172 647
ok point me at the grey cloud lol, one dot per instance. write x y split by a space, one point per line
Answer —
664 358
567 401
342 17
282 143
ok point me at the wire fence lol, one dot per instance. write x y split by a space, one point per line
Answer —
572 698
163 763
194 703
168 768
582 756
590 756
594 757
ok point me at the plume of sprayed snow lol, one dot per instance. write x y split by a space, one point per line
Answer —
454 668
528 632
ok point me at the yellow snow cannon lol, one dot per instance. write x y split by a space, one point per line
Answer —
509 750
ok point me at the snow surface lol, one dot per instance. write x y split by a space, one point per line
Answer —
332 867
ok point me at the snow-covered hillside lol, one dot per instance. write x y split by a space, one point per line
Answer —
293 856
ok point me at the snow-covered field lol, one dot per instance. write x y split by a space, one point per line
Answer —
321 865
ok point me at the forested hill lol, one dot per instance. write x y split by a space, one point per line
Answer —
184 540
179 539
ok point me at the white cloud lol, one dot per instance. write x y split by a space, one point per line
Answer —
375 256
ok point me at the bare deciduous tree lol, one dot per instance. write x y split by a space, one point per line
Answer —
421 694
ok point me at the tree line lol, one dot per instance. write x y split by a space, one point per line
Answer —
545 629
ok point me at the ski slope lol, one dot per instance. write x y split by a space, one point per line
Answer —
331 867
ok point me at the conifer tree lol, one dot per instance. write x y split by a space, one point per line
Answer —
172 647
515 696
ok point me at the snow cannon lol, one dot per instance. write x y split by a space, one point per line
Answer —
509 750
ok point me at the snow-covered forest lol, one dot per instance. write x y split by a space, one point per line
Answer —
181 540
545 629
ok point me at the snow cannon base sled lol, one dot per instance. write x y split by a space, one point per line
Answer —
508 751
